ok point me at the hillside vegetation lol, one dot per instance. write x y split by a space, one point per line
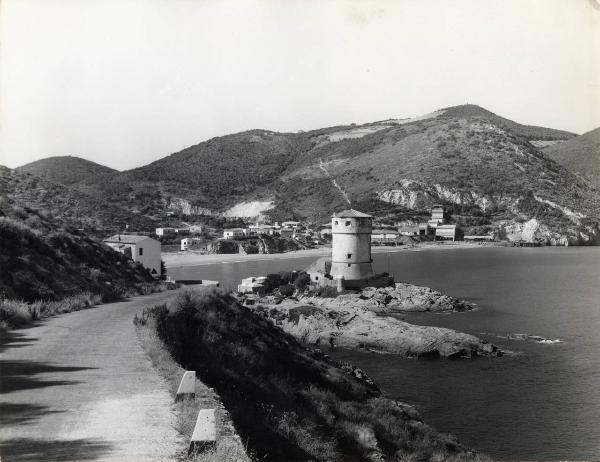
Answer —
41 258
580 155
489 171
67 170
90 212
288 402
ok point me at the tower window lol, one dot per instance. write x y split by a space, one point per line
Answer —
141 251
336 222
349 255
348 223
349 265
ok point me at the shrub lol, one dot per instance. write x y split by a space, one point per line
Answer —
289 402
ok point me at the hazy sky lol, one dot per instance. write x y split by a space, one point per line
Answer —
125 82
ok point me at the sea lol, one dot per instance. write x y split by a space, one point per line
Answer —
540 401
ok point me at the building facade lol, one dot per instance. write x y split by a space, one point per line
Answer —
351 246
141 249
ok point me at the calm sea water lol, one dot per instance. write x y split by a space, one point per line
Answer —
540 403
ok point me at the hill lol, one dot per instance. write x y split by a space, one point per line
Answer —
67 170
489 171
43 258
580 155
90 212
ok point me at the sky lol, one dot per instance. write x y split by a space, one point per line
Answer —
126 82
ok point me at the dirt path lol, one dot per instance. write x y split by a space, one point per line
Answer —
79 387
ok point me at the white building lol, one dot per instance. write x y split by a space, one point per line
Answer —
141 249
251 285
162 231
185 244
233 233
290 224
445 232
351 246
437 214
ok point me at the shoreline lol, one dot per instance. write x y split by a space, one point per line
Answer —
191 258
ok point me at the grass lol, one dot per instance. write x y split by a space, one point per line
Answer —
229 447
287 401
19 313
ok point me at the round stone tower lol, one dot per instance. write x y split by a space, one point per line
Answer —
351 247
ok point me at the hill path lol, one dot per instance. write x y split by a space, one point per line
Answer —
79 387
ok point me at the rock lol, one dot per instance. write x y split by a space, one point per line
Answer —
362 329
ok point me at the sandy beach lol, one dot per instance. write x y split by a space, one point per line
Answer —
191 258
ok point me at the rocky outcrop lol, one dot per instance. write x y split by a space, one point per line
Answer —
573 230
184 207
400 298
359 328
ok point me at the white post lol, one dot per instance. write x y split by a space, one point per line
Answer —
205 432
187 386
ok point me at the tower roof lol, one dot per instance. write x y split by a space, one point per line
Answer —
351 213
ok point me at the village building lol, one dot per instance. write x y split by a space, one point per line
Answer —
409 230
437 214
262 229
291 224
473 238
286 232
185 244
384 236
233 233
445 232
141 249
164 231
252 285
426 230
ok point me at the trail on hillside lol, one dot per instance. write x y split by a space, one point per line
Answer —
335 183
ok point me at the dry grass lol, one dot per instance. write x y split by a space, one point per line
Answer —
289 402
17 313
229 447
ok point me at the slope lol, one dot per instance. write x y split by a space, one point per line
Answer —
76 208
481 166
67 170
580 155
42 257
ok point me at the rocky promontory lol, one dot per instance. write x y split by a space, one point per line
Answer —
357 321
402 297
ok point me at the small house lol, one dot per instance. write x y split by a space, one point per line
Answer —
141 249
185 244
445 232
160 232
409 230
233 233
437 214
286 232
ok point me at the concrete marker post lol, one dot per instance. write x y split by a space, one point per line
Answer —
205 432
187 386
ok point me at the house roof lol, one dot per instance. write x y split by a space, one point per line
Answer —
126 238
351 213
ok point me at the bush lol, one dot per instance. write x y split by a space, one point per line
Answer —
287 290
289 402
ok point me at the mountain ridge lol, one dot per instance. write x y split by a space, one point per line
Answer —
489 171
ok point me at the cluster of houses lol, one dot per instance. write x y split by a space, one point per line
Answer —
288 229
436 228
147 251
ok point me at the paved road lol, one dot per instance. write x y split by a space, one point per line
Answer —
79 387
